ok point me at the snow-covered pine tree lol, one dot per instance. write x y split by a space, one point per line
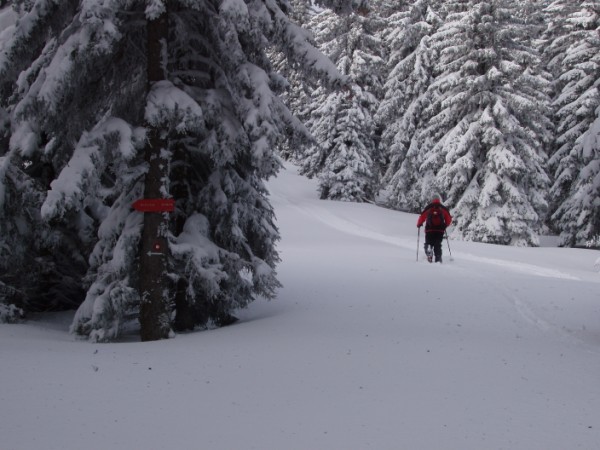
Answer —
575 163
343 6
9 312
449 7
486 142
345 157
298 87
556 38
532 13
41 264
388 8
302 11
79 103
401 35
410 179
400 112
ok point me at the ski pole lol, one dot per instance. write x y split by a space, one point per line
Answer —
418 237
448 242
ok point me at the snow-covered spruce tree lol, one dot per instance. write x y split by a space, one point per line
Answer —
491 125
345 158
575 163
83 104
400 112
343 6
41 264
302 11
553 45
556 38
401 36
386 9
449 7
532 14
298 87
410 178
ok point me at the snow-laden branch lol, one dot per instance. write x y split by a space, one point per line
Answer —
169 104
87 164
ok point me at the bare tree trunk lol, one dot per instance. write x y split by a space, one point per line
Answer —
154 307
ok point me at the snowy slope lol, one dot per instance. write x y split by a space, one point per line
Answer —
364 348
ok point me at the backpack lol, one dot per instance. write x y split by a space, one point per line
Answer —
435 219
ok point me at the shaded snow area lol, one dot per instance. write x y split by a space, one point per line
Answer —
364 348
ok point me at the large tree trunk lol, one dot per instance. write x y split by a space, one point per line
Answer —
154 307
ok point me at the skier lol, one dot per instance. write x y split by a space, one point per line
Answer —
436 218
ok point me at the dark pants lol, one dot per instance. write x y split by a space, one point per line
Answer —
433 239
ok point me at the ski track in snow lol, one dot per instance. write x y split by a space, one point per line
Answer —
527 313
529 269
338 223
521 307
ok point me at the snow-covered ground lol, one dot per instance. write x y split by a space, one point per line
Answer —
364 348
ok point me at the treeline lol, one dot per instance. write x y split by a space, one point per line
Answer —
492 104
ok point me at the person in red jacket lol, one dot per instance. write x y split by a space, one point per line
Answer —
436 218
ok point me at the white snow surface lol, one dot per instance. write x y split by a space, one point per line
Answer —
363 348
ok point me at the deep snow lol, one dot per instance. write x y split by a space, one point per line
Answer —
364 348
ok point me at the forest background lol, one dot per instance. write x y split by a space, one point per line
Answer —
494 105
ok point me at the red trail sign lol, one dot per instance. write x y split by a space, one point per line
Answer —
154 205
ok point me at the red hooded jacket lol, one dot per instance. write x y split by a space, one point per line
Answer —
423 217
